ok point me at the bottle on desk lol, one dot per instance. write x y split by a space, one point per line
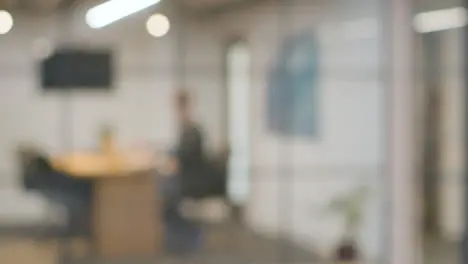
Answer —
109 149
107 141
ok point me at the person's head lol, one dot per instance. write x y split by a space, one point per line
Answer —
183 106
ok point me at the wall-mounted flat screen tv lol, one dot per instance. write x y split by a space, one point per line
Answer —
76 69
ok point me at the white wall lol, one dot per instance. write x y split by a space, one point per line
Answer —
349 150
140 107
347 153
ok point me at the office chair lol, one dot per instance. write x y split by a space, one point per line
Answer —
75 196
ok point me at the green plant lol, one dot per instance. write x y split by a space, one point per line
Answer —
351 208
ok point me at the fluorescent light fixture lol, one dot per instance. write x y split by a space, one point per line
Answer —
158 25
114 10
440 20
6 22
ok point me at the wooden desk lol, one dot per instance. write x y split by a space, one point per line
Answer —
126 216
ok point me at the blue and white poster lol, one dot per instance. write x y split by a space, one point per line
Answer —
292 88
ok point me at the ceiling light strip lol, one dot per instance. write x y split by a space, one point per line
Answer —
114 10
440 20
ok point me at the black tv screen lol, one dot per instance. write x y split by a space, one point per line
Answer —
70 68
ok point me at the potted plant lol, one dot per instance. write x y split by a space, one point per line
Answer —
351 208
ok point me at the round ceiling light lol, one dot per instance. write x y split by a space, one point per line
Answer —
6 22
158 25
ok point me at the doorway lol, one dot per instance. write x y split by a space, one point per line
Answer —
238 92
441 134
431 132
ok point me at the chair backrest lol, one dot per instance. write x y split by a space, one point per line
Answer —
26 156
212 182
36 171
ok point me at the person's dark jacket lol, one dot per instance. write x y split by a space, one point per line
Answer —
199 176
191 158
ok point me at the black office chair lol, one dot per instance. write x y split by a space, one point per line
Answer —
213 182
74 195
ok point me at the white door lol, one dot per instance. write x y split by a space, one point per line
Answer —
238 98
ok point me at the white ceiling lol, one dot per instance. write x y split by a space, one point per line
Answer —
52 5
207 3
430 5
204 5
31 5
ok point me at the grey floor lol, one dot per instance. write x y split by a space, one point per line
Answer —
438 251
225 243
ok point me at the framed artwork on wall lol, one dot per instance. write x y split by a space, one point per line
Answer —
293 87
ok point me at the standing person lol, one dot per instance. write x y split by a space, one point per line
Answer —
188 165
189 152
